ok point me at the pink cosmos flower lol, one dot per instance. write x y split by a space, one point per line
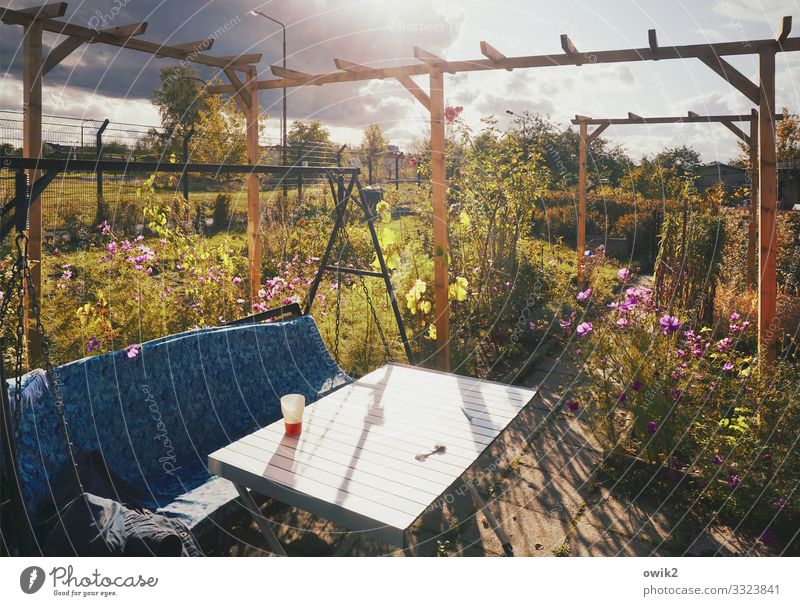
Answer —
622 323
237 280
451 113
92 345
637 385
582 296
573 405
734 317
652 427
724 344
532 326
717 460
727 367
133 350
669 324
781 502
734 480
623 274
584 328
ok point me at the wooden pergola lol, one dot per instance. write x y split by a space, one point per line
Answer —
713 55
37 20
428 64
728 121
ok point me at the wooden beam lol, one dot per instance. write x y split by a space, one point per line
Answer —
197 45
582 153
46 11
415 90
32 60
440 221
652 39
734 77
427 56
752 228
712 50
61 52
596 132
786 29
768 195
349 66
241 62
242 93
71 44
253 202
692 118
491 53
127 31
292 74
736 130
15 17
567 46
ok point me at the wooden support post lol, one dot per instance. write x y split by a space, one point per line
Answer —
582 153
439 190
752 228
768 190
32 148
253 205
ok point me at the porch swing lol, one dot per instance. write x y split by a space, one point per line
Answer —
151 420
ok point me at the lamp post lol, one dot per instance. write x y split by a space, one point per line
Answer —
283 97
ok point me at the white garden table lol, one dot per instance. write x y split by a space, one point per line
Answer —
360 462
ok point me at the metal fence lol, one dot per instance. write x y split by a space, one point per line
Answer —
78 200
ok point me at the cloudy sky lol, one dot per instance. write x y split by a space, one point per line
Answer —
99 81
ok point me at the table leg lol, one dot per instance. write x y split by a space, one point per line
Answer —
261 521
498 530
346 544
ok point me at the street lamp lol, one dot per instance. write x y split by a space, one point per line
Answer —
283 110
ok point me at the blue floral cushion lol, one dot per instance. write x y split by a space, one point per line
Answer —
155 417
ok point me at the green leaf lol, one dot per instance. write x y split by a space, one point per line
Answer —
458 291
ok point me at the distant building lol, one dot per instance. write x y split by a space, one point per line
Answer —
716 173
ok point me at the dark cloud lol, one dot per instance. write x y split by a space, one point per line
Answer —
374 32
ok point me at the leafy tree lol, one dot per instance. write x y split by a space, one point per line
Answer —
220 135
667 175
373 141
311 132
179 100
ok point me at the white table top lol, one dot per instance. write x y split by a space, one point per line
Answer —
354 462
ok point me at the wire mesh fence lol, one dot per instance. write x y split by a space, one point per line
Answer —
79 200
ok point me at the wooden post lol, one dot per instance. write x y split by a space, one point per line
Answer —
32 148
439 190
768 189
752 231
253 204
582 153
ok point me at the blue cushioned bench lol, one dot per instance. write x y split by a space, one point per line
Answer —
155 418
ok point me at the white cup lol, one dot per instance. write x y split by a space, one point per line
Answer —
292 407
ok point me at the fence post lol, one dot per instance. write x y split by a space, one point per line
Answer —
339 155
184 175
300 172
98 154
397 171
369 167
